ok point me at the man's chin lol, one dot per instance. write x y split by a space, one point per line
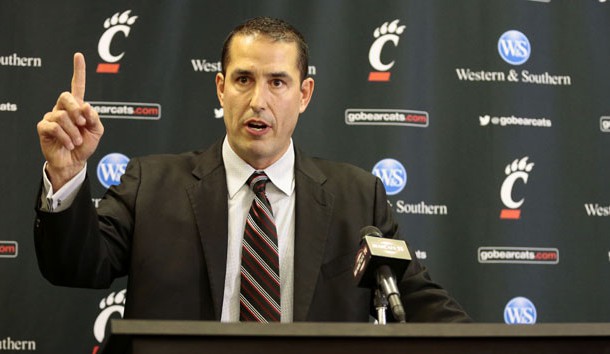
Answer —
262 157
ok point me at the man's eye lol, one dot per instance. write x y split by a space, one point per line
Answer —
243 80
277 83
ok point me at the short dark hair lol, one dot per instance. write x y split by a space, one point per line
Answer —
276 30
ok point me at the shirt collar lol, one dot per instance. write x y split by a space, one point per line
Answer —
238 171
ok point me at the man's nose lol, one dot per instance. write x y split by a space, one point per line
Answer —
258 101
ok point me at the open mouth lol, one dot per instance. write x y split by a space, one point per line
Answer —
257 126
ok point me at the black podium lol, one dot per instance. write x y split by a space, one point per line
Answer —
182 337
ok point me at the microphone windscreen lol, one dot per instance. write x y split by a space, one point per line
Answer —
370 231
376 251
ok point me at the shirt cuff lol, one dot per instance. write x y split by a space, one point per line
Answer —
61 200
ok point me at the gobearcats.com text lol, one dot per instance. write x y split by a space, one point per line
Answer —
518 255
129 110
146 111
386 117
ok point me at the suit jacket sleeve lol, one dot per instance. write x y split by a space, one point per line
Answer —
79 248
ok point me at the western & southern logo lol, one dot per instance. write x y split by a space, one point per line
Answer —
119 22
211 66
387 32
17 345
515 49
595 209
16 60
520 310
393 175
110 169
518 170
206 66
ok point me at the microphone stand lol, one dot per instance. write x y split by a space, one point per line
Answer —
381 304
386 282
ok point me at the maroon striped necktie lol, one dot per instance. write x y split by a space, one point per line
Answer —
260 276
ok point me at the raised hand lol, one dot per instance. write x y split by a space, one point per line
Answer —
70 133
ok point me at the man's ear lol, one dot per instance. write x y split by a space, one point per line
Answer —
220 88
306 92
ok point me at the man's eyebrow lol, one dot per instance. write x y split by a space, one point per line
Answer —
242 72
282 75
273 75
278 74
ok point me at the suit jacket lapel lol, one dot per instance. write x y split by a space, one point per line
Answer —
313 214
208 197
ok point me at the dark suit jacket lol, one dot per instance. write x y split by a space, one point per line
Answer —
165 226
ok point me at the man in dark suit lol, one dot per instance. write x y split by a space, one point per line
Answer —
175 223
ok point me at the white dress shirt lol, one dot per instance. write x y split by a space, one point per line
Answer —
281 195
56 201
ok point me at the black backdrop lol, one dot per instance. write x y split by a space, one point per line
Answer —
457 110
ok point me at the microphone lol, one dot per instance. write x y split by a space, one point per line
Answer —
379 262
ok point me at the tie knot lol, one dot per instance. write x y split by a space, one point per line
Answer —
258 181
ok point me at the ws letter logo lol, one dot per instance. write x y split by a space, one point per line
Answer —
514 47
110 169
518 170
117 23
393 175
520 310
388 32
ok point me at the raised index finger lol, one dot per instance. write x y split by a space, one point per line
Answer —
79 77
